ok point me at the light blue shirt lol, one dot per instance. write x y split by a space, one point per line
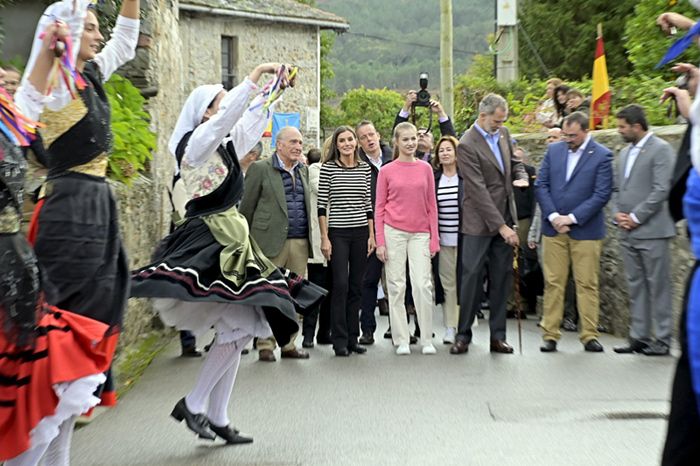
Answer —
492 141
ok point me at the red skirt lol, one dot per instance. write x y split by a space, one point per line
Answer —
68 347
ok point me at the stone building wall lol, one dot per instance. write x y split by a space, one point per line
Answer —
258 42
144 207
614 299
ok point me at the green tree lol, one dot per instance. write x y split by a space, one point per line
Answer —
377 105
564 33
645 42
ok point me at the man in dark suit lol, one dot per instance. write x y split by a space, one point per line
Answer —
645 229
574 184
488 230
376 154
277 204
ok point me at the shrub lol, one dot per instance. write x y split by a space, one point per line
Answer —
134 142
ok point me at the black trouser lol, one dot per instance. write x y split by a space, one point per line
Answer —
683 437
475 251
187 339
348 263
321 276
373 273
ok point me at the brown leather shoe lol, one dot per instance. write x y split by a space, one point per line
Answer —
460 347
295 354
500 346
266 355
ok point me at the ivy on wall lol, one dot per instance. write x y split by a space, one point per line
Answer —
134 142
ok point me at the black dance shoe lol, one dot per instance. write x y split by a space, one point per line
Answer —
197 423
232 436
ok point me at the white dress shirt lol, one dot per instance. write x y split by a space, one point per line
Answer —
631 159
634 152
572 160
574 157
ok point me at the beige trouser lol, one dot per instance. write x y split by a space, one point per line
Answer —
399 245
558 254
447 264
294 256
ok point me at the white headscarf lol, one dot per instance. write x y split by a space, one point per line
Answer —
193 112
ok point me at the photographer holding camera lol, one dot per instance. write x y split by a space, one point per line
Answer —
422 98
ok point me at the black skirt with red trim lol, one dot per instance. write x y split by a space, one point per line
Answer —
75 234
67 347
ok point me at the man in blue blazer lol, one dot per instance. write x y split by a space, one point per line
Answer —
574 184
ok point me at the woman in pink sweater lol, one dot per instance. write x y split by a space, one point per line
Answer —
406 225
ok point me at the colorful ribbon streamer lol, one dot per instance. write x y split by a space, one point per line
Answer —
273 89
18 128
64 69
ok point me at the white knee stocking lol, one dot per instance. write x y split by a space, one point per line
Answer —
58 453
220 359
29 457
221 394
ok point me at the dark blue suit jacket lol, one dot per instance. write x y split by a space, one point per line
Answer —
584 195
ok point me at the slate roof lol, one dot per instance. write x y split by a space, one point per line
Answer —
265 9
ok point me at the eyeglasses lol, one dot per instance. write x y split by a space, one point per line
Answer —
569 135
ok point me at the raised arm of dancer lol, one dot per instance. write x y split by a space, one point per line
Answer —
121 47
210 134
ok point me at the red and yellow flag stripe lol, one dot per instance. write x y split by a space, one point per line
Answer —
601 97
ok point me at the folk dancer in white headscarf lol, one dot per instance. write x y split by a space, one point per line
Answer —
209 272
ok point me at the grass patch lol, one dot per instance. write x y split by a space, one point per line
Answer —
133 361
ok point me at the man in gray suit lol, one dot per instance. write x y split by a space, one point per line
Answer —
640 207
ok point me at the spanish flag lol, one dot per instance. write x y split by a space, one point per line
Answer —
600 99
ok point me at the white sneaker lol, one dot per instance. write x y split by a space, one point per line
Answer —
429 349
403 349
449 337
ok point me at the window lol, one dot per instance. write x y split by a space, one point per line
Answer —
229 61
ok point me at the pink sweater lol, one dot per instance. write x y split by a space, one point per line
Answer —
406 201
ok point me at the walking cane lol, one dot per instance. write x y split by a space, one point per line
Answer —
516 292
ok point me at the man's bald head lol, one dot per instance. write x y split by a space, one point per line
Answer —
289 145
553 135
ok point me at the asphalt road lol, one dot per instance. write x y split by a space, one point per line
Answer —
567 408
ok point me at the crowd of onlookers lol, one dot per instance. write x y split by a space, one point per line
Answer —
560 101
405 225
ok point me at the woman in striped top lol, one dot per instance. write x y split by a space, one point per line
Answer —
406 226
347 234
448 186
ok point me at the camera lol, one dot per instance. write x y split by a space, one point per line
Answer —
423 96
681 82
